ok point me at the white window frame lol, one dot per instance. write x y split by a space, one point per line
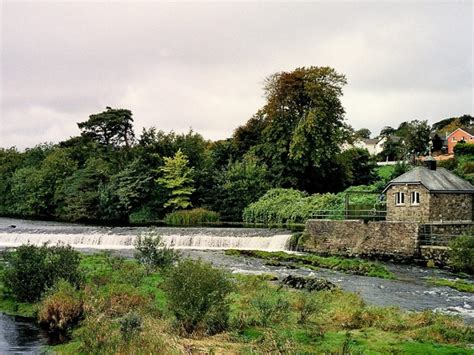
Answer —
453 139
415 198
399 198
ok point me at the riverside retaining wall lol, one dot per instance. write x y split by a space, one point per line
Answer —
382 239
392 240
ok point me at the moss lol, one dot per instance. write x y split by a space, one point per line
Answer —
458 284
353 266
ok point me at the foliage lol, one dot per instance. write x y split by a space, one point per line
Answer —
153 253
363 133
303 127
113 127
464 149
280 206
31 270
400 169
130 325
360 167
197 295
348 265
177 179
191 217
461 254
111 306
61 308
242 183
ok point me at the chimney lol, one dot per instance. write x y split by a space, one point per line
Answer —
430 163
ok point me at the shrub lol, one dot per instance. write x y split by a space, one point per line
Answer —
464 149
152 252
61 308
461 254
30 270
197 295
270 306
130 325
191 217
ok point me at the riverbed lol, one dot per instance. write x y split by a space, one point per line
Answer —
409 291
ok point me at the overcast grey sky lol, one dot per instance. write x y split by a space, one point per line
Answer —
202 65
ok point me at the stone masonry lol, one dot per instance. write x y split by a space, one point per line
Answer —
385 239
408 211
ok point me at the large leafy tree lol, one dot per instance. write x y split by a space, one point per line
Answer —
304 126
178 180
111 128
242 183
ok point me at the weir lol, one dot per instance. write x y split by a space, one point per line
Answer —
179 238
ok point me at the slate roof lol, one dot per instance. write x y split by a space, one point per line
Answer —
439 180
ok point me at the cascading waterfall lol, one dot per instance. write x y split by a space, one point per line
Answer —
179 238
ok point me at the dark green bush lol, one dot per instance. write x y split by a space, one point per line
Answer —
461 254
130 325
197 295
30 270
152 252
464 149
191 217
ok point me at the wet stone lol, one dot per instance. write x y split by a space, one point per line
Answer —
308 283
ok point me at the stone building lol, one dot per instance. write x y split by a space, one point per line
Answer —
429 194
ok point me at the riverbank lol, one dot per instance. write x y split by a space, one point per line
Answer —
332 320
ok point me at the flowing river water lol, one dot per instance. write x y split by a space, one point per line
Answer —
409 290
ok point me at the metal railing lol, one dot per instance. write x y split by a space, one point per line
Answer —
363 214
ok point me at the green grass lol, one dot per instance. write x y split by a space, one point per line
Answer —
458 284
341 321
352 266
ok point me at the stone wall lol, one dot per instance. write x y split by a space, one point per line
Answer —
438 255
408 211
451 207
385 239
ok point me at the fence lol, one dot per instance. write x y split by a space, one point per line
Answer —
362 213
441 234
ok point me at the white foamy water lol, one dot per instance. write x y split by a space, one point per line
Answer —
123 241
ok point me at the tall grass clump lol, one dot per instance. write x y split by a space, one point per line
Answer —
61 308
191 217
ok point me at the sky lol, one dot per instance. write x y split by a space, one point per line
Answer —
202 65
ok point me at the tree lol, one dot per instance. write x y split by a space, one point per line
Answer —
417 137
363 133
359 167
177 179
437 143
387 131
304 126
242 183
111 128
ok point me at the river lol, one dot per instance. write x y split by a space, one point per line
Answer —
410 290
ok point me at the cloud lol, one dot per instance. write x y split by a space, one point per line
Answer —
202 65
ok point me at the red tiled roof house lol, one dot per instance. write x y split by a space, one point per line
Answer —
459 135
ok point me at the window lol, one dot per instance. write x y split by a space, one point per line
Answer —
399 198
454 139
415 198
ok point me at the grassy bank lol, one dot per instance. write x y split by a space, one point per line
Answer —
458 284
263 318
352 266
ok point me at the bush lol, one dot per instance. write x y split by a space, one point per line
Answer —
130 325
152 252
31 270
282 206
197 295
461 254
191 217
61 308
464 149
